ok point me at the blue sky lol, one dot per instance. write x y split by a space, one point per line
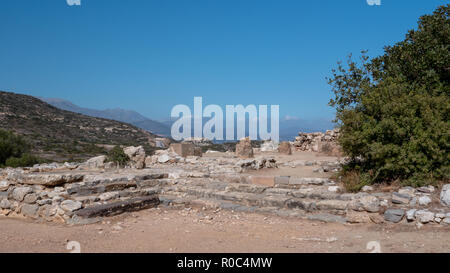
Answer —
151 55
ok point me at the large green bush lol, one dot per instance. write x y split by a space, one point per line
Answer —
26 160
118 156
393 110
11 145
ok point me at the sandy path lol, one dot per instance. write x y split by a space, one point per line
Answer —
161 230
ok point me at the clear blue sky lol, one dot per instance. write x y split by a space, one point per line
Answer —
150 55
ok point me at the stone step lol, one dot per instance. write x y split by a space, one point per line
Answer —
115 195
88 190
283 200
115 208
293 212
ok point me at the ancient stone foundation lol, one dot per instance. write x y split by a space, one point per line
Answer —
325 143
84 193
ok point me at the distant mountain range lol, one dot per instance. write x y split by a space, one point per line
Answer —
289 127
128 116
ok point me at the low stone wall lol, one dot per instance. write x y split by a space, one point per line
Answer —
79 194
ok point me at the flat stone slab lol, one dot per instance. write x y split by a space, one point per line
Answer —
328 218
49 180
116 208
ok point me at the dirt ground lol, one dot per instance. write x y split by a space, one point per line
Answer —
188 230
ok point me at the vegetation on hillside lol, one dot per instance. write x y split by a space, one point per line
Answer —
60 135
14 151
393 110
118 156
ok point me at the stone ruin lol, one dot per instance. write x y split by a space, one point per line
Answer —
83 193
318 142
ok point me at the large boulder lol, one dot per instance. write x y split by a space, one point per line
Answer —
394 215
244 148
445 195
20 192
96 162
185 149
136 155
285 148
269 146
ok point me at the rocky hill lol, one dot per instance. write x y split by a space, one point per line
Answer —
60 135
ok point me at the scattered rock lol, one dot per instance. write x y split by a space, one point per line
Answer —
398 198
370 203
367 189
394 215
285 148
269 146
96 162
446 221
411 215
408 191
427 189
5 204
4 185
334 188
445 195
424 216
20 192
31 198
70 205
136 155
29 210
164 158
244 148
424 200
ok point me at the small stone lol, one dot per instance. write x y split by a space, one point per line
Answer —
108 196
285 148
424 216
4 185
427 189
164 158
30 210
398 198
424 200
5 204
70 205
446 221
394 215
367 189
44 202
370 203
410 214
96 162
334 188
445 195
376 218
440 215
408 191
244 148
30 198
437 220
20 192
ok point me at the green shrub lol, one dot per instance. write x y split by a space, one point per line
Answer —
11 145
393 110
26 160
118 156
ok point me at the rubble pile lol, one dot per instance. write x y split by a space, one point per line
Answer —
318 142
